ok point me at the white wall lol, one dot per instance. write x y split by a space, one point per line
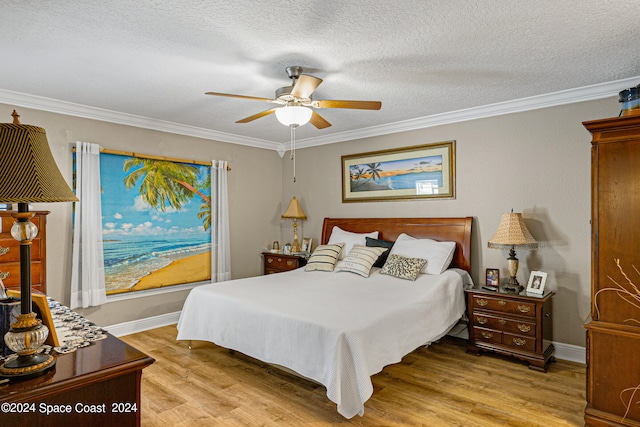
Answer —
536 162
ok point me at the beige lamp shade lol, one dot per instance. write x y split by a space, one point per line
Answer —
512 231
294 210
28 172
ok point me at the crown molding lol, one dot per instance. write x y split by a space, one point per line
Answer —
570 96
110 116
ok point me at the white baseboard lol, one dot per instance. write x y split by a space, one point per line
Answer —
572 353
141 325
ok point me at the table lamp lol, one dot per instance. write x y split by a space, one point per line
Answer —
294 211
29 174
511 233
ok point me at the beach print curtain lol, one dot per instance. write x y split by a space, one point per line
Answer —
220 247
87 270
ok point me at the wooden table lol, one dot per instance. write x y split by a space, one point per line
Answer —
98 385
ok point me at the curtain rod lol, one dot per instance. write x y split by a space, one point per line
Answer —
149 156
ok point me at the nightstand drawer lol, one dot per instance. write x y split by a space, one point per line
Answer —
504 305
524 343
505 324
487 335
278 262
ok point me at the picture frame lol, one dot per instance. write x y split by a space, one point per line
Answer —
40 305
492 277
418 172
307 243
537 280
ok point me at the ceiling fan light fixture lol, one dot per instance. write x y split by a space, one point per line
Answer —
294 115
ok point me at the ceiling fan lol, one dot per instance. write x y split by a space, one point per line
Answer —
296 99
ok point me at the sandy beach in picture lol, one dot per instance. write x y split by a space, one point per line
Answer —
194 268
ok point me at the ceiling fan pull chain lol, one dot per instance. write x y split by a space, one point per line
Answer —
293 150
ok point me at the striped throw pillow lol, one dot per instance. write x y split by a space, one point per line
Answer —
324 258
360 260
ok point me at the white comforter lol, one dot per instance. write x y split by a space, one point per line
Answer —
335 328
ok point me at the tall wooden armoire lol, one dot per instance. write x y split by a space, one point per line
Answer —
613 332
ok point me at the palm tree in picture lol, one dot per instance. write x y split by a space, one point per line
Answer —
373 170
165 184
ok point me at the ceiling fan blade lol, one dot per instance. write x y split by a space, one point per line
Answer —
318 121
305 85
358 105
230 95
257 116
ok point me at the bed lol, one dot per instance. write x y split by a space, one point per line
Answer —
335 327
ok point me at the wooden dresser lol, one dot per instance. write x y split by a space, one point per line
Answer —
10 253
613 332
277 262
517 325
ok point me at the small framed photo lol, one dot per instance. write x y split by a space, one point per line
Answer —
40 306
492 277
306 244
537 279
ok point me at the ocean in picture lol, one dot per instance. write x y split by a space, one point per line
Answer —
127 261
396 174
400 182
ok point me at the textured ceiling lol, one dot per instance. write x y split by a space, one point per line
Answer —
154 60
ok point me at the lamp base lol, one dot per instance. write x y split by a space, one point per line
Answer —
27 366
513 285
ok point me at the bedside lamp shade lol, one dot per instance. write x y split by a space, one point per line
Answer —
511 233
295 212
29 175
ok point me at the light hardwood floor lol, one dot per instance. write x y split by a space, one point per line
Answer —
440 385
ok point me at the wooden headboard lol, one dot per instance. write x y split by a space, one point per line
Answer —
442 229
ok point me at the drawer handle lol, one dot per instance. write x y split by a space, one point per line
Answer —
502 303
524 328
269 260
3 250
4 275
487 335
524 308
289 262
502 322
519 341
482 320
482 302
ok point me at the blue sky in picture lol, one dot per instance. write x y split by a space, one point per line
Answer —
126 214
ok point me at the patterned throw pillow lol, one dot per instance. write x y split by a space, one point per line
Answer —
324 258
403 267
360 260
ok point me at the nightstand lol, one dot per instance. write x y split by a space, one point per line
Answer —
517 325
277 262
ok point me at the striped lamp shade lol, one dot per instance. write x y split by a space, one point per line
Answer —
28 172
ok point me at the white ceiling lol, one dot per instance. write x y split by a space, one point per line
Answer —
149 63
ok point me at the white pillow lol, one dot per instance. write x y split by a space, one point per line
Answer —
437 254
360 260
338 235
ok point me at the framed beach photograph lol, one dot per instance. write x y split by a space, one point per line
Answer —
537 280
418 172
492 277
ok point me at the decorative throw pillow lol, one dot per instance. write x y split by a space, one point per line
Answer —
349 239
360 260
403 267
382 244
324 258
438 254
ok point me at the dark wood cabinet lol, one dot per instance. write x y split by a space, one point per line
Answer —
98 385
10 253
277 263
517 325
613 332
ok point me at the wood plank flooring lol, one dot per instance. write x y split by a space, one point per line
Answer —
439 385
